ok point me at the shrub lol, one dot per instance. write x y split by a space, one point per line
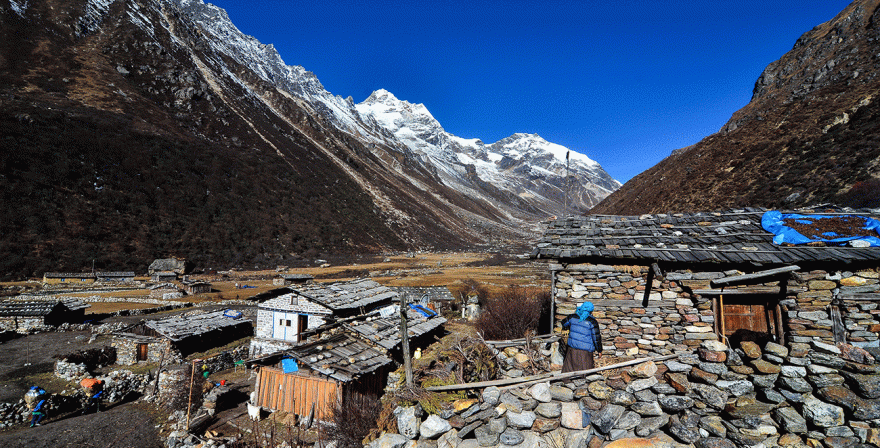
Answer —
352 422
512 313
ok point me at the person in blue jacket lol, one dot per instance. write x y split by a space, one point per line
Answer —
584 339
38 412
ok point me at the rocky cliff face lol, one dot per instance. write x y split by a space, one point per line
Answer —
137 129
809 134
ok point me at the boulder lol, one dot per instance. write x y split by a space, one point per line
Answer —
408 420
434 427
790 420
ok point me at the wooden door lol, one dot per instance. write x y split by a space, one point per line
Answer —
302 326
142 352
752 317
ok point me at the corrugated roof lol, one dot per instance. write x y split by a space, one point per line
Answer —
341 356
734 237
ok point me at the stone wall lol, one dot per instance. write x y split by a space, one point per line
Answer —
672 321
675 319
806 395
127 350
21 324
810 306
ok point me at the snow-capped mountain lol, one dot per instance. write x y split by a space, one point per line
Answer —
525 169
524 165
185 136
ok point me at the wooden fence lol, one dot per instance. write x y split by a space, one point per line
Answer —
297 393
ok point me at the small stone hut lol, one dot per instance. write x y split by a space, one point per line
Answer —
23 316
292 279
664 283
178 336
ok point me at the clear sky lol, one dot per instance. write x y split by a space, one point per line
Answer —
624 82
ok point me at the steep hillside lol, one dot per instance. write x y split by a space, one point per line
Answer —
811 133
136 129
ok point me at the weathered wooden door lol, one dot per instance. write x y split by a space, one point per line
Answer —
302 326
142 352
752 317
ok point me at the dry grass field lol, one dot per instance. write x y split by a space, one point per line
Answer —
421 269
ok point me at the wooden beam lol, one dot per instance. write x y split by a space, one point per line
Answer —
648 282
741 291
750 278
543 377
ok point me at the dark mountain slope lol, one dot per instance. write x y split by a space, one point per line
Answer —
123 142
811 133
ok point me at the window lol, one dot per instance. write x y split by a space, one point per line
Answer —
288 323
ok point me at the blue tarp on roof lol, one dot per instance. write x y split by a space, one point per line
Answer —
774 222
289 365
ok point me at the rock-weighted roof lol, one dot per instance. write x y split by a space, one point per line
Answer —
730 237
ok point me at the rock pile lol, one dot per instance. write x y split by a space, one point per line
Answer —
804 395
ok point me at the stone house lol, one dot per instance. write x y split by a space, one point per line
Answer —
665 283
286 319
69 278
163 276
292 279
196 287
23 316
175 337
115 276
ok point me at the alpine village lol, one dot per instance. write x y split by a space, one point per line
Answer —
202 247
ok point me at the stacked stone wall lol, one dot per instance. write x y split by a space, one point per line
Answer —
805 395
815 297
127 350
673 320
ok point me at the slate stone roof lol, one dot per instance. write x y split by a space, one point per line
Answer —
346 295
116 274
183 326
297 276
69 275
341 356
434 293
39 307
385 331
730 237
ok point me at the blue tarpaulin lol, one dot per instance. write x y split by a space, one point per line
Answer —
289 365
774 222
425 311
232 313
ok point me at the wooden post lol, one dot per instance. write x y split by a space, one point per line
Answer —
648 282
404 342
192 378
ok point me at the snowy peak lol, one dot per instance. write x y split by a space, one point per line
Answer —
531 145
522 165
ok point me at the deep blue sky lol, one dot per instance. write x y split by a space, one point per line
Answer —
624 82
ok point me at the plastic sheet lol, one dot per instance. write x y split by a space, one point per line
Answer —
774 222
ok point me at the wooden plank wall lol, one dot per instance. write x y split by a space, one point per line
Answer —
296 393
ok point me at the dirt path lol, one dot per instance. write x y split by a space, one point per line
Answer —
128 425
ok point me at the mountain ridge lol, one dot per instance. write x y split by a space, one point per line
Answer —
808 136
139 129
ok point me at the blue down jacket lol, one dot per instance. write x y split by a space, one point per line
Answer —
584 334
